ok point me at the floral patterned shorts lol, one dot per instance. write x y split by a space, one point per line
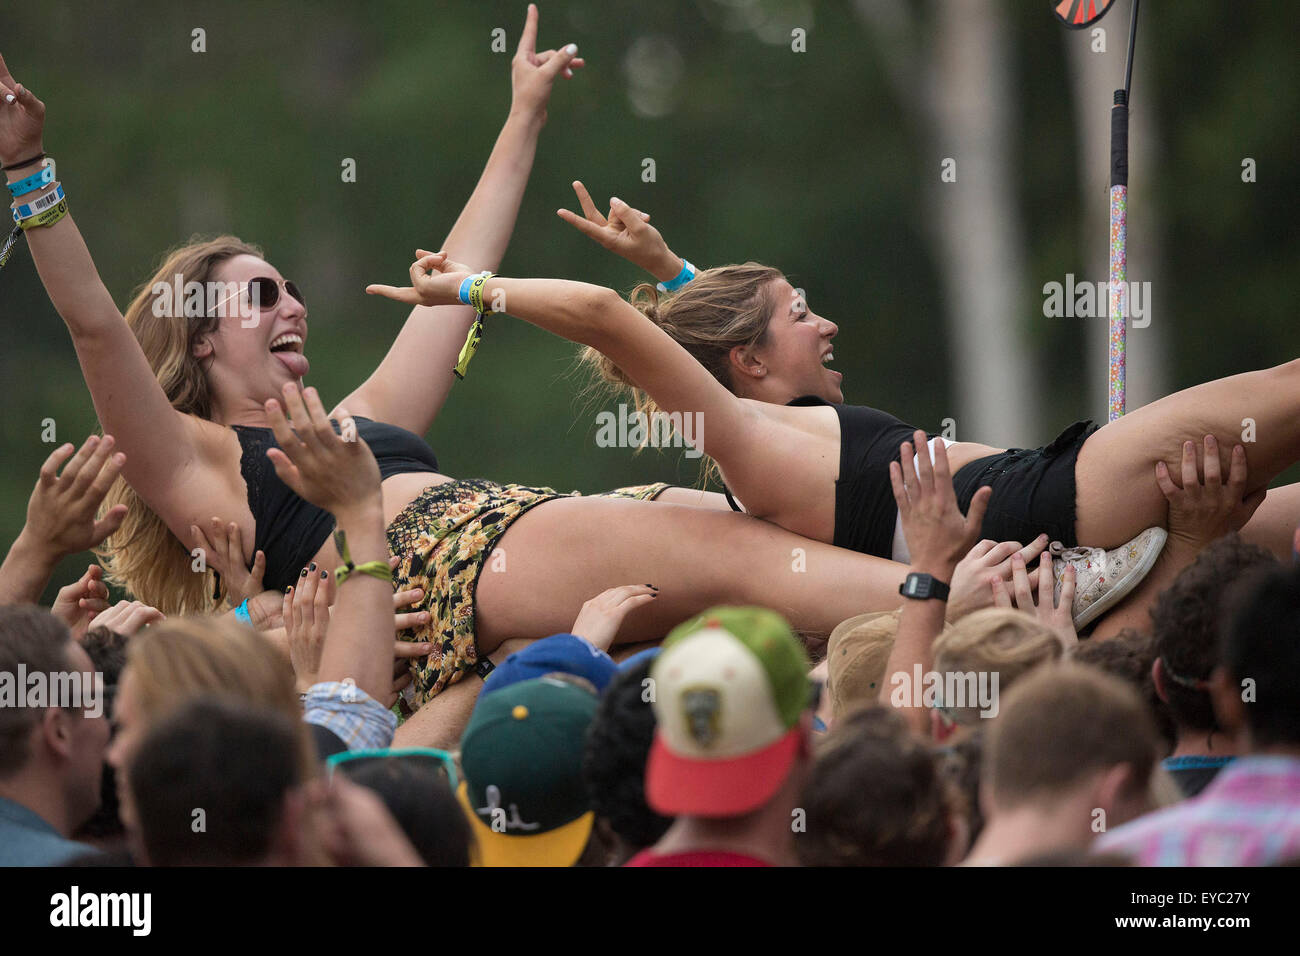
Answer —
443 539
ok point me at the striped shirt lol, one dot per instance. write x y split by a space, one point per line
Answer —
1249 815
356 718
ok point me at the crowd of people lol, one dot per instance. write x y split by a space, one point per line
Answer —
333 653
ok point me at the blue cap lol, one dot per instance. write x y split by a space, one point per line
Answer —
649 654
559 653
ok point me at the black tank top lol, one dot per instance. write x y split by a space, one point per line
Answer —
865 513
291 530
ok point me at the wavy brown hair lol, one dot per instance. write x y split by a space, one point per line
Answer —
143 556
719 309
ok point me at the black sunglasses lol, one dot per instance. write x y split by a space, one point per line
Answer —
264 292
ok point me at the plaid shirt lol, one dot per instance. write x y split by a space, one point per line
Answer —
1249 815
358 719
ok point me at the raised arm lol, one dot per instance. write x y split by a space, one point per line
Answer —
161 443
599 317
412 382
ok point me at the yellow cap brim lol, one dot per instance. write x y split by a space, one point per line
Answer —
562 846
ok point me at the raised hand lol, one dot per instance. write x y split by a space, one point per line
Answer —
61 512
223 545
127 617
937 533
533 74
306 614
1059 617
639 243
318 464
986 562
77 604
599 619
435 280
1200 513
22 120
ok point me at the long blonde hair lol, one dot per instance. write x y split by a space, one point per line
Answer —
143 556
173 662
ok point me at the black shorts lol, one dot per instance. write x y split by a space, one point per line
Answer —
1033 488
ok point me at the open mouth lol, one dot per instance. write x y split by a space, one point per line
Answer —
288 349
828 357
289 342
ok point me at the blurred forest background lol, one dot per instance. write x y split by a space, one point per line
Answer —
825 162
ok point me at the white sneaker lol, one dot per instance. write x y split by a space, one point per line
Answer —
1104 578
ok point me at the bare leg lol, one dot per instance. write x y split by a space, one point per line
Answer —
1273 526
1116 491
563 552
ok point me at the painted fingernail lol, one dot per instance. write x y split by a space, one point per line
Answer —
9 97
304 573
312 566
289 589
571 48
323 575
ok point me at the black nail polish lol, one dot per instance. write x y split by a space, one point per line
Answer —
289 589
313 566
304 573
323 575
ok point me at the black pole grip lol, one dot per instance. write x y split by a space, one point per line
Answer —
1119 140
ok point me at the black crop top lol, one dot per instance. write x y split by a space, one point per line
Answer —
290 530
865 513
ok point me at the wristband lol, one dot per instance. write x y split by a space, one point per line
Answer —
469 348
26 162
483 668
34 181
476 291
683 277
38 205
47 218
241 612
376 569
463 294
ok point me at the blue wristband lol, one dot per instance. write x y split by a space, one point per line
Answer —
241 612
38 205
464 289
683 277
33 182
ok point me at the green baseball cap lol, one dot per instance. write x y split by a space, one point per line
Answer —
730 687
522 760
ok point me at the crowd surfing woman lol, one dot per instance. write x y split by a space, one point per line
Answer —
190 401
739 347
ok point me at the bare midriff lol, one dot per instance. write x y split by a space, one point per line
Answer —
963 453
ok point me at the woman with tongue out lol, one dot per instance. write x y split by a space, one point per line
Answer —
188 397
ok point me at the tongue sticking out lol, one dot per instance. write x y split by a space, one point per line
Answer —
295 362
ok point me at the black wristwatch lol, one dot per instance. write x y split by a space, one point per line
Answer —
923 587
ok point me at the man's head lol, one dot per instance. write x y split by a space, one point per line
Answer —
1256 688
732 703
877 797
523 792
613 764
53 731
1185 624
1070 736
219 783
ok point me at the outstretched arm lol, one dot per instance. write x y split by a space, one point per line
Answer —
412 382
592 315
162 444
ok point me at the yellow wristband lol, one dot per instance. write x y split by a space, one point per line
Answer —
47 218
376 569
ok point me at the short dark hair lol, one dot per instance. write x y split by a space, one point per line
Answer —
1129 656
613 763
420 799
1261 642
107 650
875 797
1185 624
234 761
1060 725
39 641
